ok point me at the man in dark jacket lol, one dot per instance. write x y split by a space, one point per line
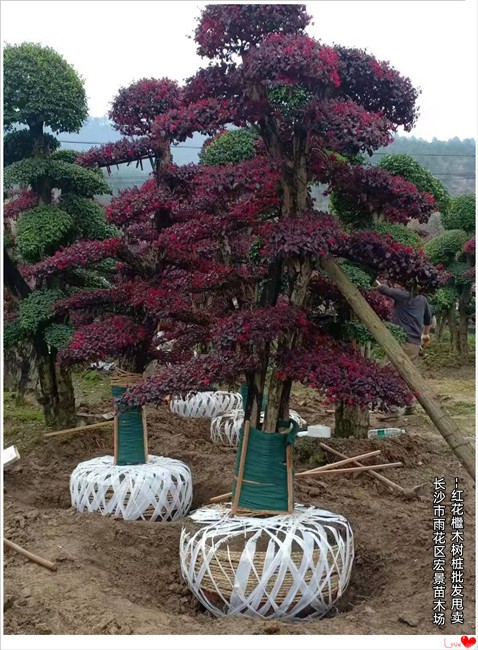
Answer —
412 313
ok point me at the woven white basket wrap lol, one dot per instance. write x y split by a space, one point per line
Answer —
326 553
160 489
225 428
207 404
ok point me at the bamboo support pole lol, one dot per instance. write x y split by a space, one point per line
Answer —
242 464
346 470
86 427
145 433
290 480
339 463
379 477
405 368
31 556
115 439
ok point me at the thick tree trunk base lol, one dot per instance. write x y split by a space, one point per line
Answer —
57 395
351 421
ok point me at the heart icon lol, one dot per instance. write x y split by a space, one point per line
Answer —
468 641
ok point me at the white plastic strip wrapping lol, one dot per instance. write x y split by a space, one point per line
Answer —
225 428
160 489
282 567
207 404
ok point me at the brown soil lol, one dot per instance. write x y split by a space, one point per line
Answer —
115 577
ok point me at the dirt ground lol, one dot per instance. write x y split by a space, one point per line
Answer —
115 577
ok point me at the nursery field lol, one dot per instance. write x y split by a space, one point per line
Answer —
115 577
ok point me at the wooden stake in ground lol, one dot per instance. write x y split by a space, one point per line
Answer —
405 368
386 481
339 463
345 470
31 556
242 464
78 429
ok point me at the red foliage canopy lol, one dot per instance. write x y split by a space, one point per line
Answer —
216 254
135 108
225 30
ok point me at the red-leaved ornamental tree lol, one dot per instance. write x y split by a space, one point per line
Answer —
225 261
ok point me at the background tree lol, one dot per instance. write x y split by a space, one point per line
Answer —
351 420
49 205
455 251
405 166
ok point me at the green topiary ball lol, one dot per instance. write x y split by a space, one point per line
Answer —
462 214
41 231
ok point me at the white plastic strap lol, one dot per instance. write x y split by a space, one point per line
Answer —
207 404
160 489
306 550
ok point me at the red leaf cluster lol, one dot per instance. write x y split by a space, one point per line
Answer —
115 153
205 116
392 260
369 190
225 30
259 326
470 246
291 59
24 200
377 86
135 107
346 376
109 337
80 255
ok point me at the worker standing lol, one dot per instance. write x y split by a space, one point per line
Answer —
412 313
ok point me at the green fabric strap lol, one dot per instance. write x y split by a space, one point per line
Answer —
265 467
131 449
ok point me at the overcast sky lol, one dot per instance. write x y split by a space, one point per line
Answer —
112 43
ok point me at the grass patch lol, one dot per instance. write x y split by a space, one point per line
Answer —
92 387
461 408
440 356
24 424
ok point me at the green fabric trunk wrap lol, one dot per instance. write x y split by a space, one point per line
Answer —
130 432
265 464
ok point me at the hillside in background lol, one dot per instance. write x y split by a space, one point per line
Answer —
452 161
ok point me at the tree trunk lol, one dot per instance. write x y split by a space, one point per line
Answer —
453 329
275 404
441 321
462 329
405 368
463 333
66 408
20 375
28 374
351 421
57 395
